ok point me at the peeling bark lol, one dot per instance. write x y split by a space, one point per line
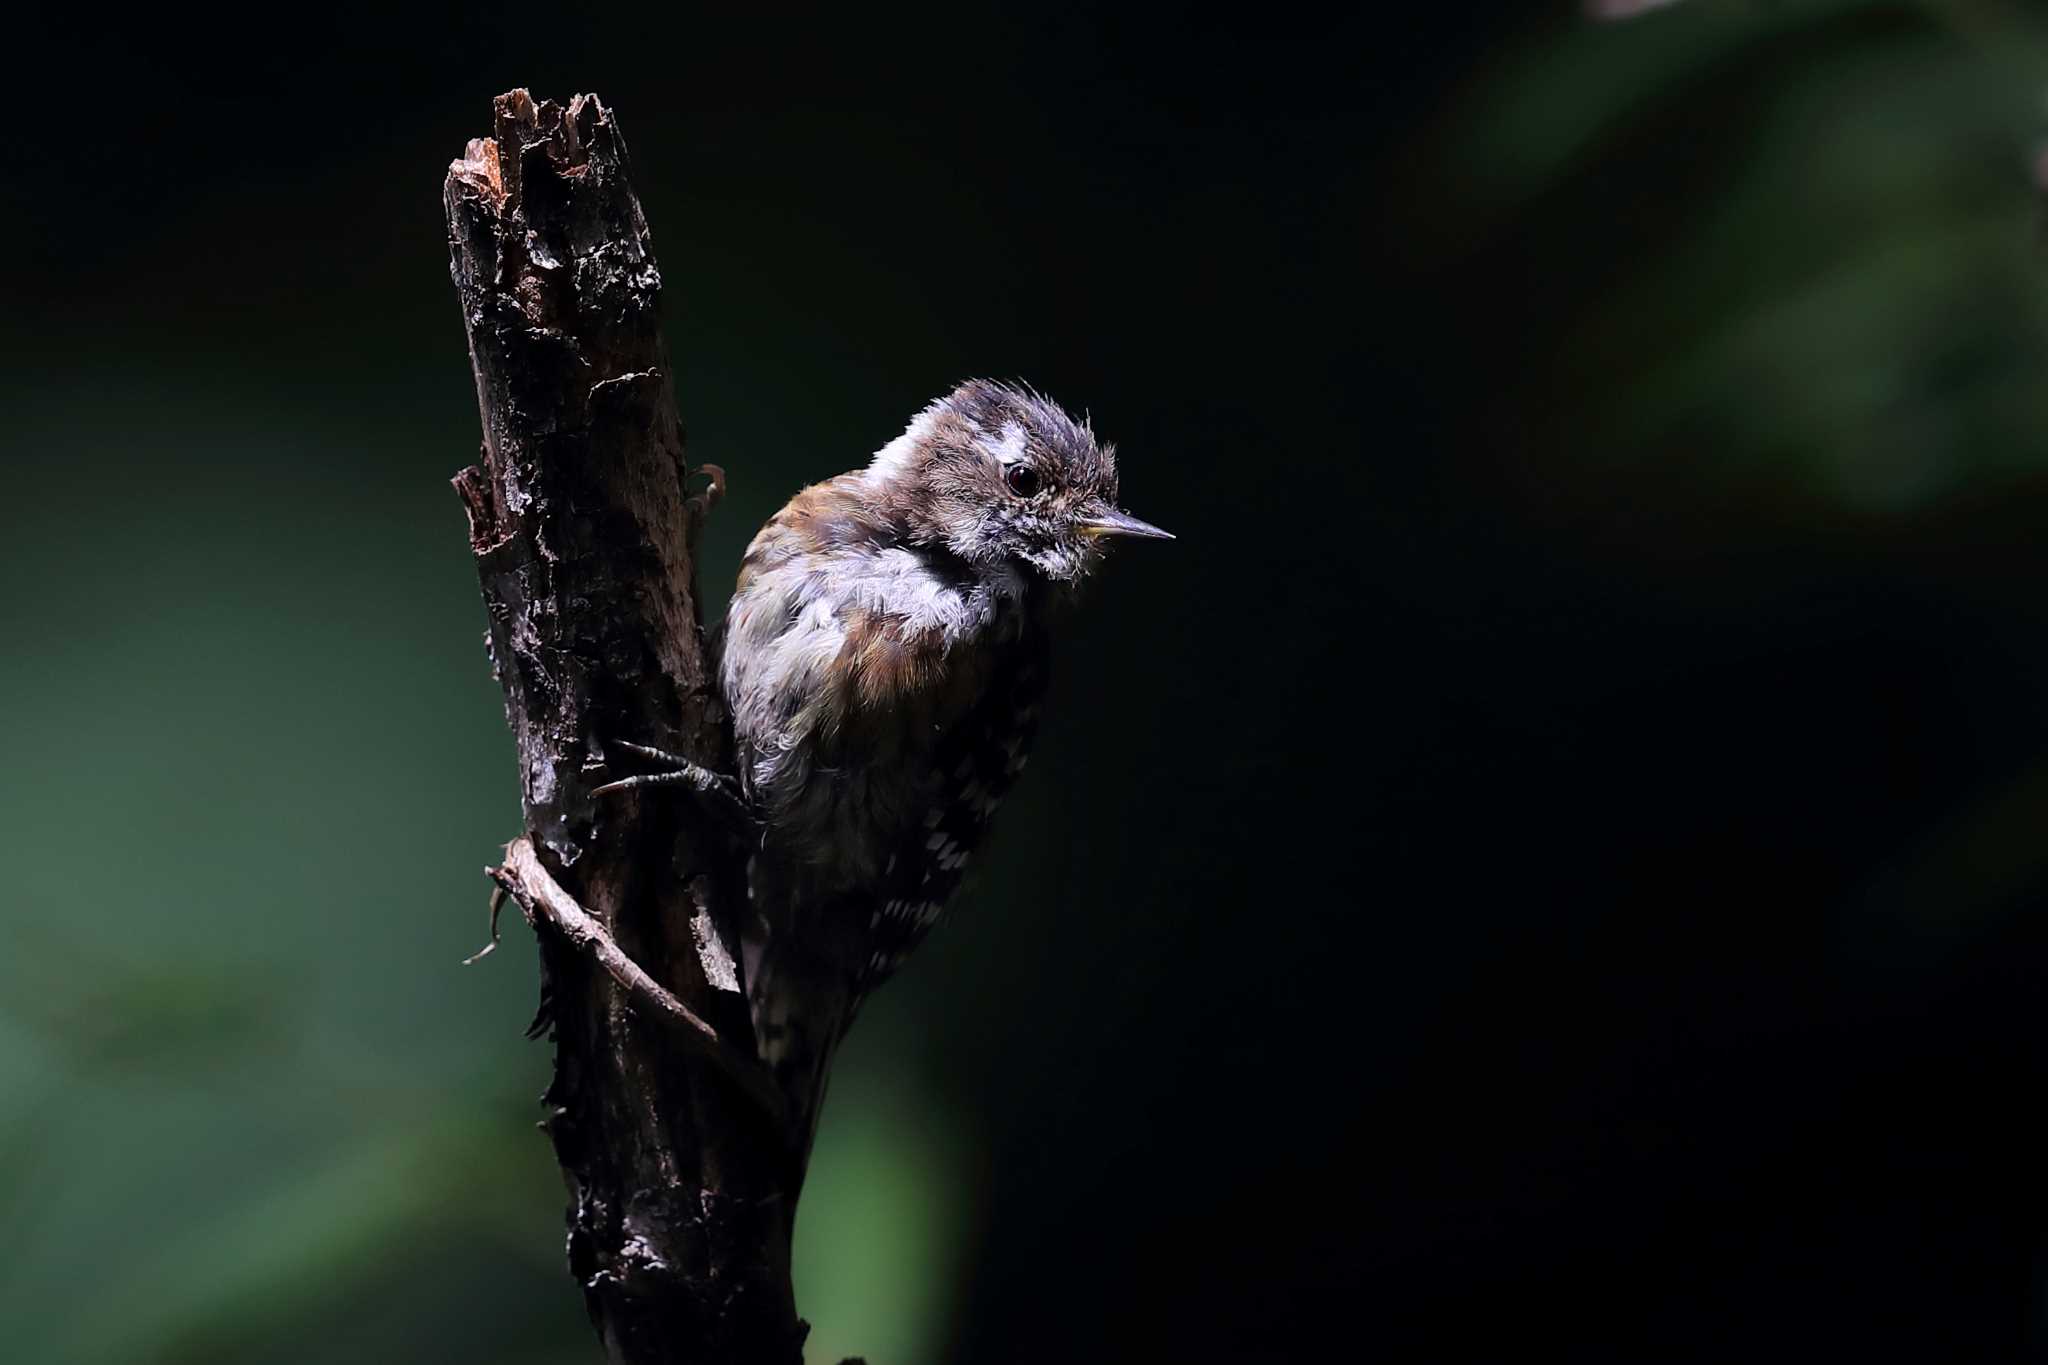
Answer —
584 538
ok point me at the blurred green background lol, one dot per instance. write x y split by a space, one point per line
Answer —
1551 859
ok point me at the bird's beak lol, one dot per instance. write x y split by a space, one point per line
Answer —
1110 522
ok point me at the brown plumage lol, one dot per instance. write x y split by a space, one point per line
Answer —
883 659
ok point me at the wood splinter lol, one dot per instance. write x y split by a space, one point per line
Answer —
538 894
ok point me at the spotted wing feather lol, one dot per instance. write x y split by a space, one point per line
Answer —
975 766
806 985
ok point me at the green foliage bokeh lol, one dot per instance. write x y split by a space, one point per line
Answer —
251 1109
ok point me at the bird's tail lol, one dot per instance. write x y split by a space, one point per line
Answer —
801 1010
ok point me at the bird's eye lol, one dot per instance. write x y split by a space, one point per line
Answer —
1022 480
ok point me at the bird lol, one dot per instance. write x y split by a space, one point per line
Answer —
883 661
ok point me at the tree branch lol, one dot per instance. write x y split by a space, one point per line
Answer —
528 882
583 535
540 898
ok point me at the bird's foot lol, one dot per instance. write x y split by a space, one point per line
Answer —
700 504
718 790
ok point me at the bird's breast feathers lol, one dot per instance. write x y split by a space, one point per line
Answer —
850 658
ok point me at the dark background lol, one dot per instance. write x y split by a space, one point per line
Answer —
1551 860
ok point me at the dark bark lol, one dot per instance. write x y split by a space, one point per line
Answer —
583 533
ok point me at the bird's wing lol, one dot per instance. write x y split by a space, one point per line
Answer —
809 968
975 763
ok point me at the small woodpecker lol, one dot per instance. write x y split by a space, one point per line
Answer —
883 660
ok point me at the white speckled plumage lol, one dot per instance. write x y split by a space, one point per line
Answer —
882 660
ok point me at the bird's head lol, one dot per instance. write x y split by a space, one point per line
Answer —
999 473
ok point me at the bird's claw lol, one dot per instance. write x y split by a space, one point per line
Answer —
714 490
719 789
